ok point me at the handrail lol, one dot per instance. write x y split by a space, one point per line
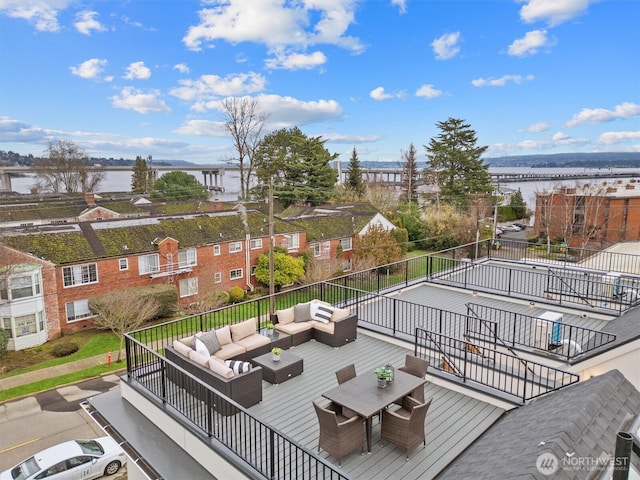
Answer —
499 371
520 334
270 452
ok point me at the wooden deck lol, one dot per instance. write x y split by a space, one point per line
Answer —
453 422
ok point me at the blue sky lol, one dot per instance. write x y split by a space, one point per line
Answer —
128 78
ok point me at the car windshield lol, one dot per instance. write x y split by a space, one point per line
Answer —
90 447
25 469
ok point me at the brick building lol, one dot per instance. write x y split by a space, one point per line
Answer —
206 250
604 213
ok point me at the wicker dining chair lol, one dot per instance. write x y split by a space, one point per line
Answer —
417 367
339 435
346 373
404 427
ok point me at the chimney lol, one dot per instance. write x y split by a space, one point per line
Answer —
622 456
90 198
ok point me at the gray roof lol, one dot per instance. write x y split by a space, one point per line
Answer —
580 421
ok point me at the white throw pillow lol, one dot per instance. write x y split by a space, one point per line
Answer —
322 313
238 366
201 348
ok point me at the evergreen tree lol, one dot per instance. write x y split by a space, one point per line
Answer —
354 175
518 205
410 175
141 179
178 185
297 165
455 163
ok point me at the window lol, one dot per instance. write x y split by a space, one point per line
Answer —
188 287
21 287
216 250
347 265
148 264
26 325
253 270
124 264
217 277
322 249
345 243
293 241
255 243
80 274
77 310
235 274
235 247
317 250
6 325
187 257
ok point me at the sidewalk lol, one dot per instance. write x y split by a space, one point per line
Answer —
63 369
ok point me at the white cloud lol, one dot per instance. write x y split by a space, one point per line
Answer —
538 127
136 100
609 138
554 12
288 111
500 82
530 44
428 91
558 139
89 69
379 94
296 61
206 128
181 67
446 46
600 115
86 23
348 139
272 23
42 14
209 87
401 4
137 71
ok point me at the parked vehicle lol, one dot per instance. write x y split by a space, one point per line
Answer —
74 459
499 232
510 228
522 226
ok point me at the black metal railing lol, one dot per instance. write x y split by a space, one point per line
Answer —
518 330
268 451
561 255
476 365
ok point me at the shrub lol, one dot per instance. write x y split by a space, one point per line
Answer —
65 349
4 341
236 294
166 295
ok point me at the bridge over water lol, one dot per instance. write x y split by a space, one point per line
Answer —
213 175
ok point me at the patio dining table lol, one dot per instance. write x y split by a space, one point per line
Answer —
362 395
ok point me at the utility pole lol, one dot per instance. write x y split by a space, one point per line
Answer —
271 245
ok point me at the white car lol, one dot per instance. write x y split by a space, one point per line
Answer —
76 459
510 228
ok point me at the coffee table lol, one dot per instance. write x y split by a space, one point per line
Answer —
287 367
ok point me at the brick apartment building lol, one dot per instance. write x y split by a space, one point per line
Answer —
603 213
67 263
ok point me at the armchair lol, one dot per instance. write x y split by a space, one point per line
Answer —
404 427
417 367
339 436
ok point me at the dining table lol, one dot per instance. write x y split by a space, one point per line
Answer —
362 395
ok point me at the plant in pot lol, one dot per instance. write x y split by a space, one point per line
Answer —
383 374
275 352
269 326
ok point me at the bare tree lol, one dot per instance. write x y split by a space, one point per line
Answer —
66 170
321 269
122 311
383 197
244 121
205 302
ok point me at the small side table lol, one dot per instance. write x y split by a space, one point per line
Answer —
287 367
278 339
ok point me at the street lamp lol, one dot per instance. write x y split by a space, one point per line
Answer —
271 245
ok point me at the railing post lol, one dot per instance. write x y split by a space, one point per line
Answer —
395 315
272 455
524 381
466 356
163 376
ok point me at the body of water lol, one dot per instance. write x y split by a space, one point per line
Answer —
121 181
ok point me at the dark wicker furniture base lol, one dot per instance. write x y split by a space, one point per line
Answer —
287 367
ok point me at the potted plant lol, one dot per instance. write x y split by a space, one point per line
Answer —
275 352
269 326
383 375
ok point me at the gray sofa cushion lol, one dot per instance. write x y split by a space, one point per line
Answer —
302 312
210 339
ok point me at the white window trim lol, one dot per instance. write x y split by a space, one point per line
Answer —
350 240
149 270
231 277
76 318
81 267
217 277
192 257
191 284
235 247
257 242
216 250
123 266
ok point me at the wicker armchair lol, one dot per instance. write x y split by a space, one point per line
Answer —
404 427
346 373
417 367
339 436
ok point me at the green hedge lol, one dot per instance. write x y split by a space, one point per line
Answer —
166 295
